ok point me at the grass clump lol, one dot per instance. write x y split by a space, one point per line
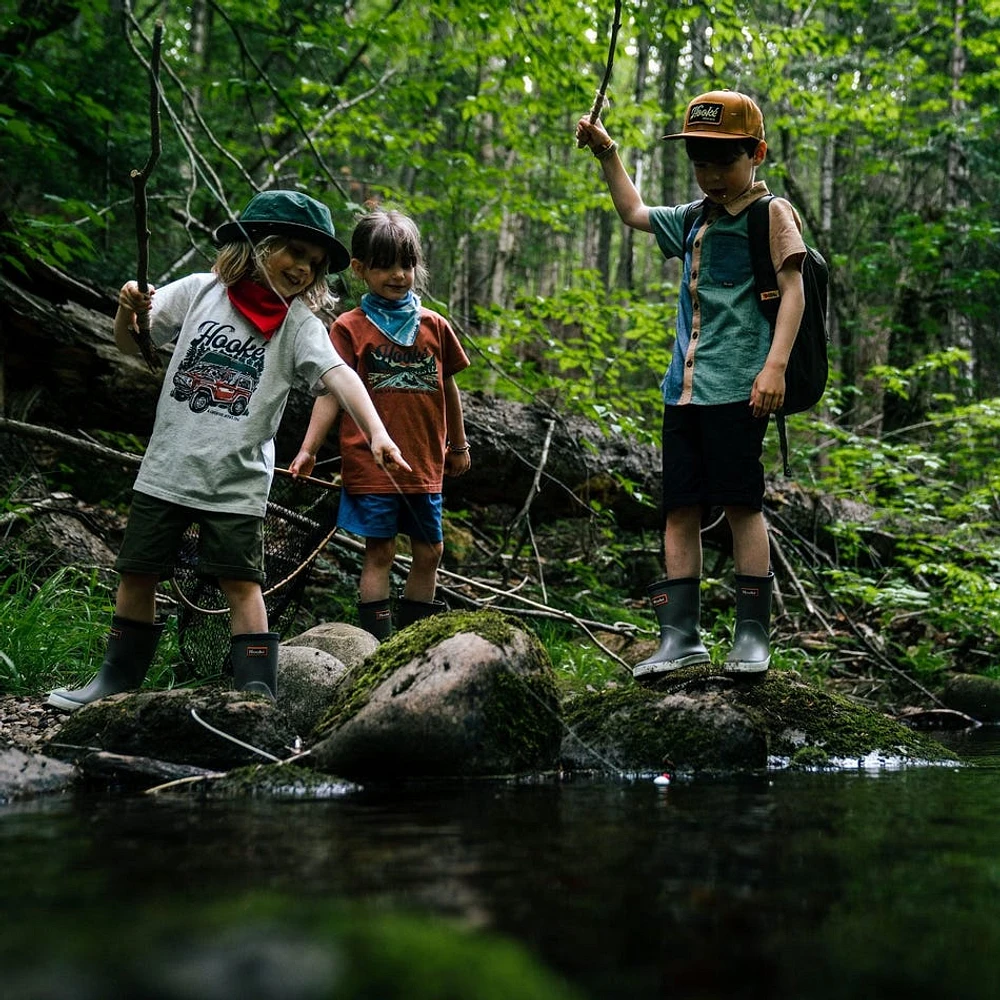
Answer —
53 631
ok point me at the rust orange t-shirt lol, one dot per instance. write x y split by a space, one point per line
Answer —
406 385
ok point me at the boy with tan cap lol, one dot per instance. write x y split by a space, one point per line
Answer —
726 375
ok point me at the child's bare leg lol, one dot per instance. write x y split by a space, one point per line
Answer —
246 602
682 543
421 583
751 548
374 583
136 597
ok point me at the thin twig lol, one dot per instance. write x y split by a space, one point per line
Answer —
139 178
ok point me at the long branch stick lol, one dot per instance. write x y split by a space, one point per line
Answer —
601 98
139 178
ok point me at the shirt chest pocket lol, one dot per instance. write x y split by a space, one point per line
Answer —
729 261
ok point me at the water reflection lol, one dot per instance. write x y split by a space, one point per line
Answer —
783 885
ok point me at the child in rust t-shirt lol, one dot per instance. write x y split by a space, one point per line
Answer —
407 357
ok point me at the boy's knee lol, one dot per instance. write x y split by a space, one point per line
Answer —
380 552
239 590
428 554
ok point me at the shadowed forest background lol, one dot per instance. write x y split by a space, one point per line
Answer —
881 125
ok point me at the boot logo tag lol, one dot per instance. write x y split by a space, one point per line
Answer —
659 600
382 614
256 650
750 591
114 633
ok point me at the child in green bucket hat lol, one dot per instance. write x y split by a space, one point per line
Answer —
244 334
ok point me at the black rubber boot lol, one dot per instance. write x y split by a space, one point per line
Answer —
751 652
254 656
131 646
677 604
408 612
376 617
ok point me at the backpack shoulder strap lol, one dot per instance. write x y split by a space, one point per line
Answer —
690 218
759 237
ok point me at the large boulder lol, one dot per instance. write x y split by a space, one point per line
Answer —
24 775
457 694
699 720
635 729
206 727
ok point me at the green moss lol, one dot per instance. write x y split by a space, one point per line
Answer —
841 727
809 757
404 647
275 781
633 728
522 712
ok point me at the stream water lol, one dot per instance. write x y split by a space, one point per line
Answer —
861 884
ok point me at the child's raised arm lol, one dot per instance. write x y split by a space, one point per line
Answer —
346 384
631 209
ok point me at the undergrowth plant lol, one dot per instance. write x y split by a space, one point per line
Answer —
599 354
53 632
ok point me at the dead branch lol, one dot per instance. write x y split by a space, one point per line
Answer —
59 439
139 178
601 98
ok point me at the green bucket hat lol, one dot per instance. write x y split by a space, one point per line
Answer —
289 213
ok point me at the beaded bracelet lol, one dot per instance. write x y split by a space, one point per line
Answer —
459 451
605 151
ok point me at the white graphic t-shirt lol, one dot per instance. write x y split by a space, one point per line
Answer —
223 395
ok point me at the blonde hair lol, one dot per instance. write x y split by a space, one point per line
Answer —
241 259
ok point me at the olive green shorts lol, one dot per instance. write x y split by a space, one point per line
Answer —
230 546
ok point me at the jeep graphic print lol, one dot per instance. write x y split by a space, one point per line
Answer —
219 372
392 368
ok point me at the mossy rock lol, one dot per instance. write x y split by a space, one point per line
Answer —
280 782
697 719
974 695
458 694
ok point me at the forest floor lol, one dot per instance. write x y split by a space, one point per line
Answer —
27 723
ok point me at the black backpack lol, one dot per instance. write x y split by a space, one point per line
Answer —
808 365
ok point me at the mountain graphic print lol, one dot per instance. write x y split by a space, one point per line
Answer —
401 369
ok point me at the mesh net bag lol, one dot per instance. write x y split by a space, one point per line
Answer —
301 518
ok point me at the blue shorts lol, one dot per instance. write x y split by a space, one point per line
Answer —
385 515
711 456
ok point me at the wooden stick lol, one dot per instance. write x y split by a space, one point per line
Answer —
139 178
600 99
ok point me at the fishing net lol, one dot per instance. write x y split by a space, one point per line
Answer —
301 518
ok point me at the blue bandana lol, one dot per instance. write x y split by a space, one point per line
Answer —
398 320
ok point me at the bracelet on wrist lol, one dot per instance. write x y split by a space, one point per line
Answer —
455 450
605 151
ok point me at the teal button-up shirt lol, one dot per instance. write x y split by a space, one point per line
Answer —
722 338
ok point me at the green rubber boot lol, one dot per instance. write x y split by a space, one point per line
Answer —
751 652
254 657
376 617
677 604
130 650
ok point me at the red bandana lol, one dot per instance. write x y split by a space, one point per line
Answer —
264 308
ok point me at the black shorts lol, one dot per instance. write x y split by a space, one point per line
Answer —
711 456
230 546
